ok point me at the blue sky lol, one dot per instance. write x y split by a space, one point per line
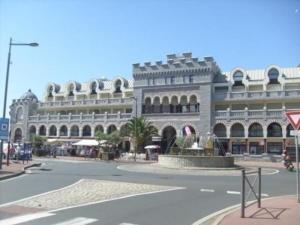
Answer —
81 40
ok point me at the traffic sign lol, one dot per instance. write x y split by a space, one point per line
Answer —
294 118
4 125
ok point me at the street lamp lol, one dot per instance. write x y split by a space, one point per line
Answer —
135 126
6 85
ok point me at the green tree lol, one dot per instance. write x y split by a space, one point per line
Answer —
140 130
38 141
111 140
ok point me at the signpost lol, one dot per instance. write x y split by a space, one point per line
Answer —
294 118
4 124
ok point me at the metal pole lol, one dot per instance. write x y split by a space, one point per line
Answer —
259 187
243 195
135 127
297 164
5 98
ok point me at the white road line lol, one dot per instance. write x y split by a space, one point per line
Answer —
25 218
78 221
118 198
45 193
207 190
238 193
233 192
265 195
128 224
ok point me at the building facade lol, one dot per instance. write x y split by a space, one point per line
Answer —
245 109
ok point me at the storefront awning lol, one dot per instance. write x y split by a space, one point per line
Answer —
86 142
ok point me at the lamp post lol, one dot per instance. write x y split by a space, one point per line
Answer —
135 127
6 85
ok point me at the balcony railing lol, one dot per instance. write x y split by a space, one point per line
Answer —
79 118
167 109
250 114
86 102
256 95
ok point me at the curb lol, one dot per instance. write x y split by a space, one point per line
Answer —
216 217
21 172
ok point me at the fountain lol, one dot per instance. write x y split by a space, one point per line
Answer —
204 153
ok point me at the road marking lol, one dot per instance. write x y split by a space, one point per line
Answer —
207 190
128 224
265 195
78 221
238 193
45 193
118 198
233 192
25 218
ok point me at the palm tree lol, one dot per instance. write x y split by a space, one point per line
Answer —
140 130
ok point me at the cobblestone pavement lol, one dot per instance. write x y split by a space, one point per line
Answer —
87 191
156 168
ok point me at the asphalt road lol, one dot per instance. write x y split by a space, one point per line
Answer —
176 207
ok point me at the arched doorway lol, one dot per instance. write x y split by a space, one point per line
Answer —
18 135
99 128
221 138
238 142
168 138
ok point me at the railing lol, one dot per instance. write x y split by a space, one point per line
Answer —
80 117
250 114
170 109
257 194
256 94
86 102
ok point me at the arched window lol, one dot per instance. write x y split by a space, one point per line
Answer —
50 91
256 130
111 129
20 114
289 128
237 130
18 135
273 75
42 130
32 131
99 128
71 90
124 130
220 130
194 105
174 104
238 78
184 104
148 107
156 103
53 131
118 85
63 131
188 130
74 131
166 105
86 131
94 88
274 130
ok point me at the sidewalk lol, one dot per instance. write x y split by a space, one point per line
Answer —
15 168
282 210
